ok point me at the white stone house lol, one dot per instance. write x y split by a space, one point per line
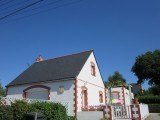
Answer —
74 78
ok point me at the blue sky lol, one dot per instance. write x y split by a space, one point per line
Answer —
117 30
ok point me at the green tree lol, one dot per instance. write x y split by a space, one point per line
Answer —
147 67
115 80
155 90
2 91
145 93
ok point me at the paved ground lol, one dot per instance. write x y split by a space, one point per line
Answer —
97 115
91 115
153 116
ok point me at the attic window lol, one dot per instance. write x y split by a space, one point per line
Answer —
93 69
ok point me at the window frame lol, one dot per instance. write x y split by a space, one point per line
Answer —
93 69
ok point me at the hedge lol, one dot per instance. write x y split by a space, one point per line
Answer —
51 111
72 118
149 99
17 111
154 108
6 113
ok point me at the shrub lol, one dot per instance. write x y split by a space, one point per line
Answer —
19 109
149 99
71 118
154 108
6 113
51 111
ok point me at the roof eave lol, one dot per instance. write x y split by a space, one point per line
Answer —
45 81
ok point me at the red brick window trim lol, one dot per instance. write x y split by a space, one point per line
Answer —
93 69
36 86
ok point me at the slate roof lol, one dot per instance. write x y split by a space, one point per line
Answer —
136 88
59 68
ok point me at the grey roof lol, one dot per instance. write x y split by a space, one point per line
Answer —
53 69
136 88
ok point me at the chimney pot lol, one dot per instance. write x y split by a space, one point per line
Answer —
39 58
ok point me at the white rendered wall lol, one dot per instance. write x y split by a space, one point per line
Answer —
55 95
127 97
94 84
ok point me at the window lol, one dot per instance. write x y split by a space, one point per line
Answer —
115 95
100 97
93 69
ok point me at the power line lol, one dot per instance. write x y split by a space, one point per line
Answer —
10 14
3 11
69 3
42 6
14 5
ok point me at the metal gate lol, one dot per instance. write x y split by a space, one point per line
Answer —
121 112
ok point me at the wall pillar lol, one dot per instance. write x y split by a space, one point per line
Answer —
75 98
135 112
107 112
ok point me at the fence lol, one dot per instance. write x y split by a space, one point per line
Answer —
144 111
9 100
121 112
131 112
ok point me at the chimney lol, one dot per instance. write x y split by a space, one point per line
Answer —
39 58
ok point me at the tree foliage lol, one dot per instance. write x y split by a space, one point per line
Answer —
115 80
151 91
154 90
2 91
147 67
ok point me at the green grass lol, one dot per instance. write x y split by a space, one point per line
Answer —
104 118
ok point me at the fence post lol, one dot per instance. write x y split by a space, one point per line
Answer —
135 112
104 111
107 112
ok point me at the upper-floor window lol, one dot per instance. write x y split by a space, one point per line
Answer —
115 95
93 69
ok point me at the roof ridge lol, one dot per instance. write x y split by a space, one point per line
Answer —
66 55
